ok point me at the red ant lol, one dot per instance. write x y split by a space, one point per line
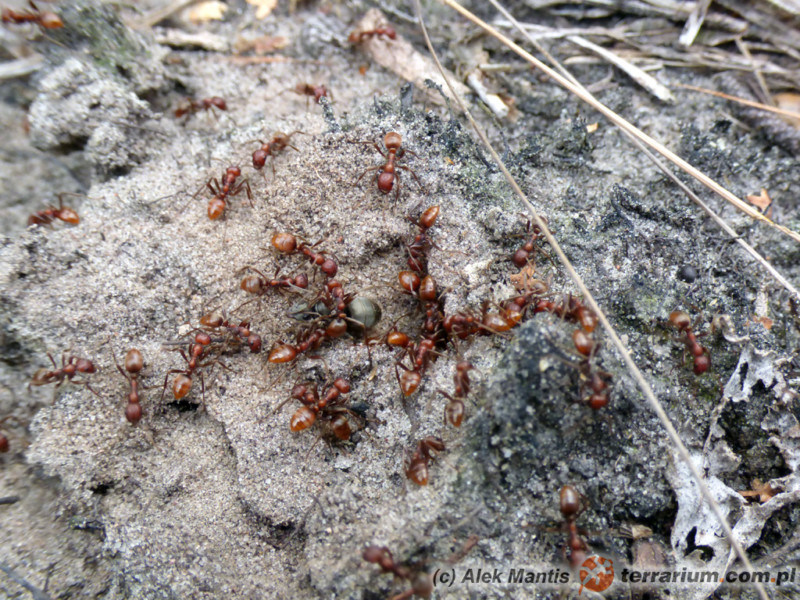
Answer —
182 384
259 284
328 407
229 187
308 89
598 383
241 332
421 584
387 173
134 363
358 37
286 243
278 143
465 323
421 353
572 504
417 466
70 367
4 443
190 106
419 249
454 411
521 256
51 213
700 355
44 18
336 303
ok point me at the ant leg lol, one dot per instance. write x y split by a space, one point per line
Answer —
211 184
246 184
422 187
365 172
55 366
166 380
114 356
89 387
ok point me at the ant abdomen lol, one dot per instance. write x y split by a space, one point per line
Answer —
303 418
181 386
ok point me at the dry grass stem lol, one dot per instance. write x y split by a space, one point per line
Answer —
624 124
625 354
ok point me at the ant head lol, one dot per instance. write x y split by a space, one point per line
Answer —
134 361
569 501
284 242
392 140
680 319
254 342
50 20
233 171
259 158
219 102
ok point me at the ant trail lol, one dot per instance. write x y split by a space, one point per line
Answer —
660 164
623 124
625 354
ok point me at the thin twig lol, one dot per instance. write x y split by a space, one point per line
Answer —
717 219
645 80
637 374
694 23
765 107
13 576
622 123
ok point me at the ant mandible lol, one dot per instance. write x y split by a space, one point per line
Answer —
44 18
190 106
278 143
229 187
387 172
51 213
134 363
70 367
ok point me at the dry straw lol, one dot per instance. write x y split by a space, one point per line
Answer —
629 128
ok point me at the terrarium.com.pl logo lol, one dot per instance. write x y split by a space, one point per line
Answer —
596 574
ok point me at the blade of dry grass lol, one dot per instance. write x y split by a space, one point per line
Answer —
648 82
692 196
625 354
622 123
766 107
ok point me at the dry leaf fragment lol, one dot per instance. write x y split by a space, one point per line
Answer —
762 201
763 491
592 127
207 11
265 7
765 321
261 45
